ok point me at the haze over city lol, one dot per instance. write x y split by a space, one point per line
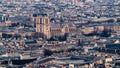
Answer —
59 34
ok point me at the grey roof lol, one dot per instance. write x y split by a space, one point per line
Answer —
55 25
38 14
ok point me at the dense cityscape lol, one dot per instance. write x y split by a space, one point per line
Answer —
59 33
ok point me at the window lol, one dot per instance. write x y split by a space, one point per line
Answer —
40 20
46 21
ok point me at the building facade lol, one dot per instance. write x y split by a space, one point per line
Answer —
42 24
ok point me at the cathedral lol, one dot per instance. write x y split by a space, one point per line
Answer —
49 30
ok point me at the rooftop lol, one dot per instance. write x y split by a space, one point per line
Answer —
38 14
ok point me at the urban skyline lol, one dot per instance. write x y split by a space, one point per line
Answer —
59 34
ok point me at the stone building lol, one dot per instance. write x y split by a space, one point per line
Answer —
44 26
